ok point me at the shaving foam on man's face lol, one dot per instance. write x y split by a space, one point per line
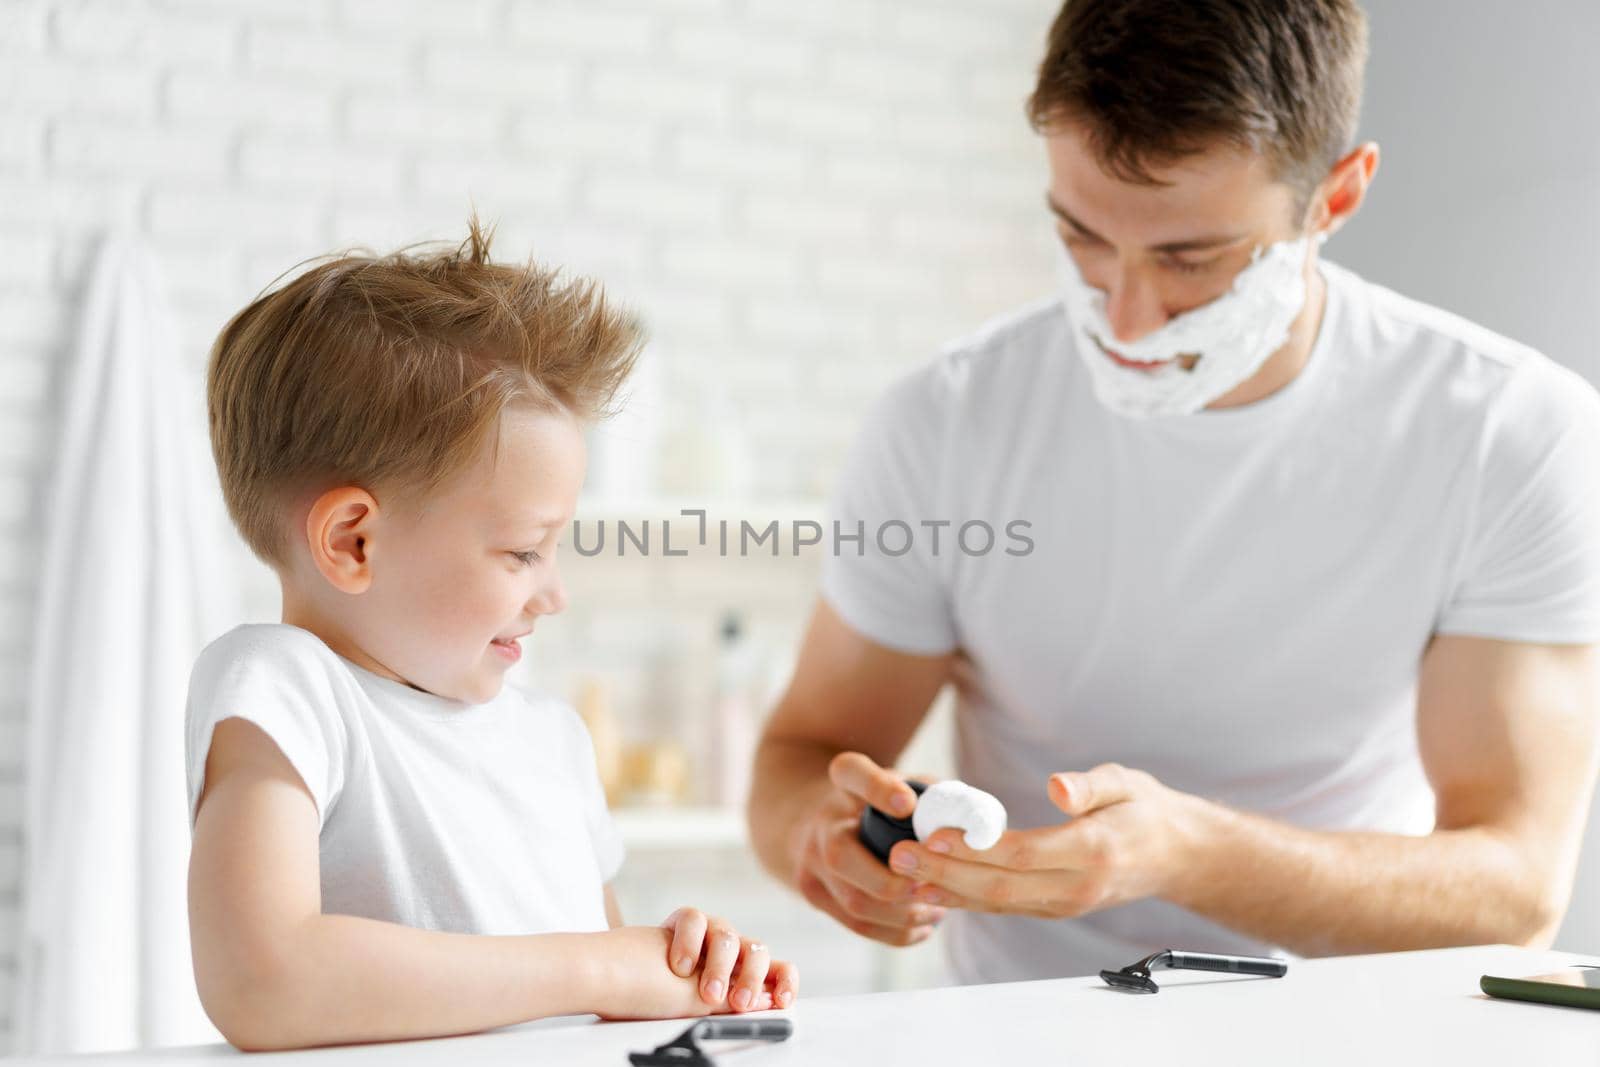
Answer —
1199 355
1180 289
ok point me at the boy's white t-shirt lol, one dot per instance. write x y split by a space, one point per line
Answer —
1235 601
469 818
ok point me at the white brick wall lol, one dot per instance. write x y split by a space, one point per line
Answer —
803 197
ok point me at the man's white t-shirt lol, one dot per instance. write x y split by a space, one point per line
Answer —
1235 601
469 818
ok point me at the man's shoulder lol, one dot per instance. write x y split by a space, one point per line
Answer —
1039 325
1461 364
999 362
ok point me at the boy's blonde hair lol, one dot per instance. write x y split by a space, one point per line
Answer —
391 372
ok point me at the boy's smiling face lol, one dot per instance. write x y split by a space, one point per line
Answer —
436 593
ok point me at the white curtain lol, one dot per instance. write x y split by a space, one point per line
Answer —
130 590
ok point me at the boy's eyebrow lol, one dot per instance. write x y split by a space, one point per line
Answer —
540 521
1193 244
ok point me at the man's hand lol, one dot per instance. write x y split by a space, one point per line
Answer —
640 985
835 872
714 948
1128 837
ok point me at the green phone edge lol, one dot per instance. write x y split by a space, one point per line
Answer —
1539 992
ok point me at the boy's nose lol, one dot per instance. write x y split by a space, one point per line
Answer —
551 598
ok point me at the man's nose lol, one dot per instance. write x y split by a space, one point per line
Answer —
1133 307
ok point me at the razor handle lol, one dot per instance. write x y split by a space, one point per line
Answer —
743 1029
1205 961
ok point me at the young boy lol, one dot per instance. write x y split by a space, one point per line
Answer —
387 843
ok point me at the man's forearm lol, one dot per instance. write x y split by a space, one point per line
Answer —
1326 893
790 777
342 979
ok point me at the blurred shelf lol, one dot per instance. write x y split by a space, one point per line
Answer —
666 827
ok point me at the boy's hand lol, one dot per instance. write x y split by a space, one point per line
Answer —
715 948
635 985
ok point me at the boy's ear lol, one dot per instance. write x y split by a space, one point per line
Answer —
338 527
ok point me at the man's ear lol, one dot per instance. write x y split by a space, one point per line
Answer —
1340 195
338 528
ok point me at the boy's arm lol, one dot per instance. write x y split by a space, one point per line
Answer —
274 972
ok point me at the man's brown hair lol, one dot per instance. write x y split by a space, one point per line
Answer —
1156 80
392 371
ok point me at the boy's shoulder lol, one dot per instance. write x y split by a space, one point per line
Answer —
548 716
275 654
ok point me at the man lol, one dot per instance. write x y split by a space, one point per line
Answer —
1295 651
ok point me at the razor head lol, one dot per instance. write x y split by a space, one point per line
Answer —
1130 980
684 1051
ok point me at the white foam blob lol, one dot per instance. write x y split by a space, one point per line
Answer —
959 805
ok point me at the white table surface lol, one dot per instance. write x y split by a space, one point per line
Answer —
1411 1007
